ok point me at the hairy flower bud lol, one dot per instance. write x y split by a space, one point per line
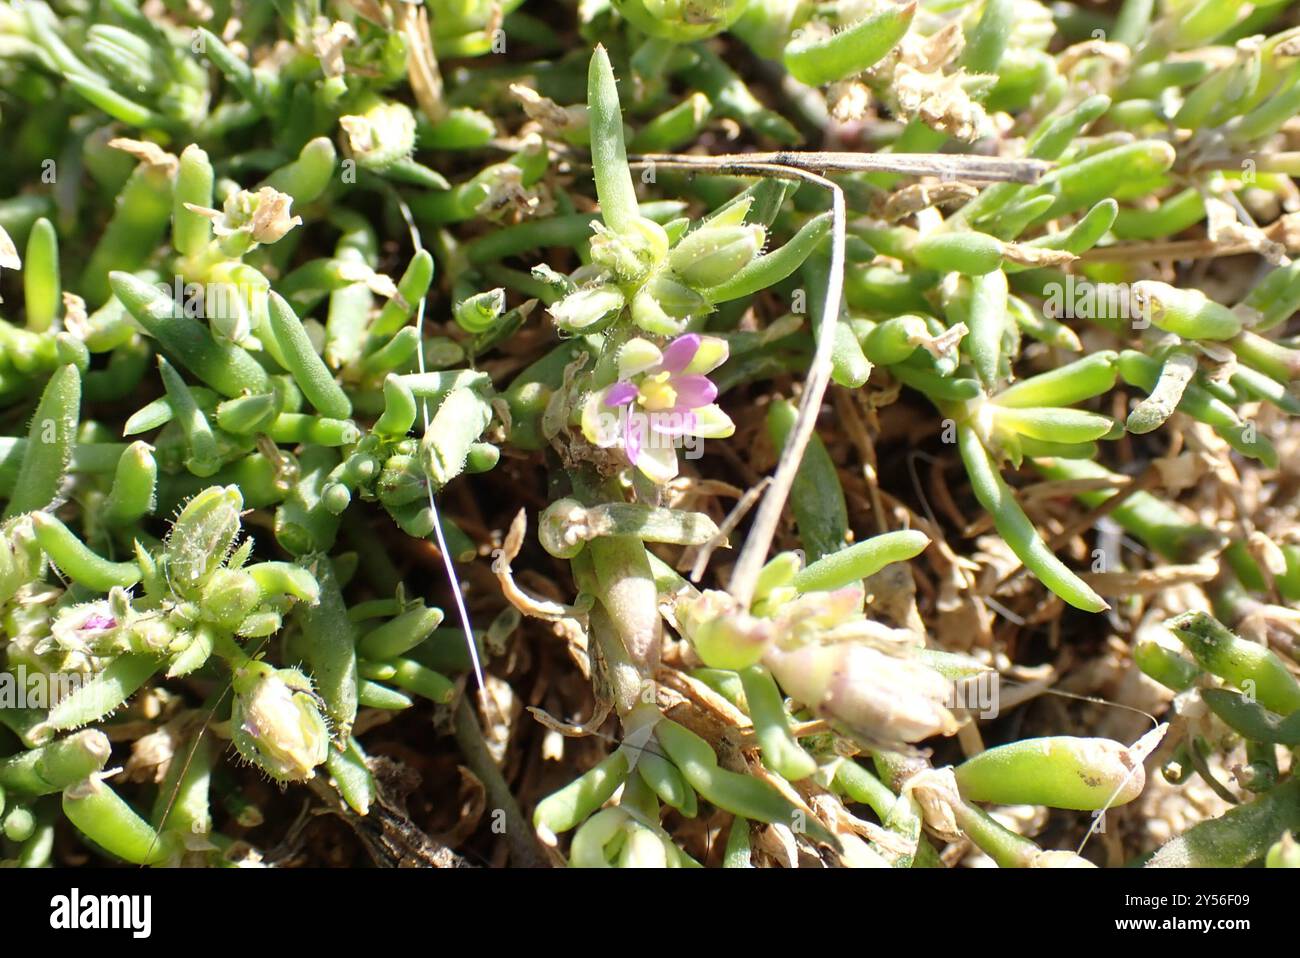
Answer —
585 308
663 305
381 134
202 536
276 722
21 559
230 596
714 254
632 254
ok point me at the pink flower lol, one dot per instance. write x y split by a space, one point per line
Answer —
660 397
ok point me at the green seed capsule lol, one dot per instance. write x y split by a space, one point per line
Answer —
275 721
1087 774
771 268
584 309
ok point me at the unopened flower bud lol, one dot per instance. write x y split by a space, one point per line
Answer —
381 134
724 636
203 535
581 310
714 254
663 305
877 696
632 255
276 722
21 559
230 596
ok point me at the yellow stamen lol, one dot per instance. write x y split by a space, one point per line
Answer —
655 394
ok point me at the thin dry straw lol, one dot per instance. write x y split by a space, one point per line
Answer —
447 562
986 169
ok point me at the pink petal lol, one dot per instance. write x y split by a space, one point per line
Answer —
694 390
620 394
633 427
679 353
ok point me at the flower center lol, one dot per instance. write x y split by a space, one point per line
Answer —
656 393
